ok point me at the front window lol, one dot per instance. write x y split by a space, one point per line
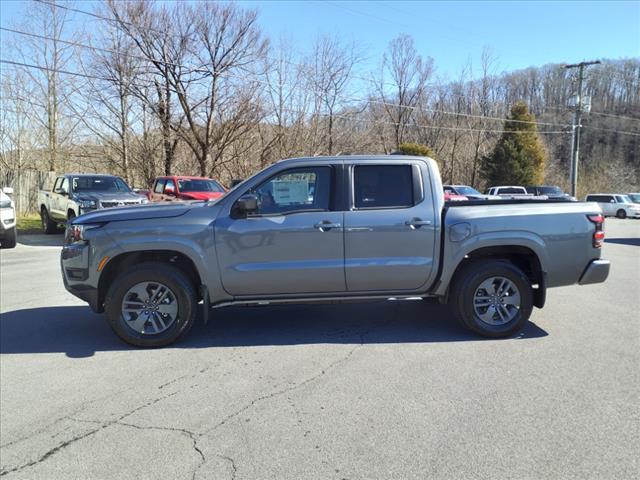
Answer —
635 197
199 185
383 186
623 199
301 189
99 184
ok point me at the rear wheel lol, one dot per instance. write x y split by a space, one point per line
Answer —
151 306
48 225
621 213
10 238
493 298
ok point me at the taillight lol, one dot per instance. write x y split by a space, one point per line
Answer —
598 235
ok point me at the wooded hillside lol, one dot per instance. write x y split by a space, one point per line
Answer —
197 88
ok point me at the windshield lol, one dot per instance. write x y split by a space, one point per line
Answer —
467 191
624 199
197 185
635 197
99 184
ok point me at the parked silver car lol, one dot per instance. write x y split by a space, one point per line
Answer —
615 204
8 235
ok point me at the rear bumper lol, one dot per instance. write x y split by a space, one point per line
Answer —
596 272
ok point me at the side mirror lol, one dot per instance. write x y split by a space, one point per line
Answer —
61 191
169 191
245 205
8 190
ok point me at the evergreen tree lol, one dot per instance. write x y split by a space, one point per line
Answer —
519 156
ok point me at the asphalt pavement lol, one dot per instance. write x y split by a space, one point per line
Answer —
392 389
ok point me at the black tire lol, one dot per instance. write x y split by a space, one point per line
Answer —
178 283
48 226
468 280
621 214
10 239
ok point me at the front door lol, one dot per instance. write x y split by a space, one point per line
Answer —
293 243
390 231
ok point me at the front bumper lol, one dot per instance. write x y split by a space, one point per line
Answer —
74 265
596 272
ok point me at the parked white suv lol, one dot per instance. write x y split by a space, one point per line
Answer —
615 204
8 235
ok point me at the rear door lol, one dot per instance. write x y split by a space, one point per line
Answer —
293 244
390 230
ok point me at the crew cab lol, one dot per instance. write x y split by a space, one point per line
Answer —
167 189
330 229
74 194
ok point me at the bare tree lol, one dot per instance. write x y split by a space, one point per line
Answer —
408 75
330 70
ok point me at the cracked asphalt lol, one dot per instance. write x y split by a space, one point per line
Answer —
380 390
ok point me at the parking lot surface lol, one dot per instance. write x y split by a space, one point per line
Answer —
382 390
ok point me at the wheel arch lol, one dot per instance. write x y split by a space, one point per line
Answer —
524 256
128 259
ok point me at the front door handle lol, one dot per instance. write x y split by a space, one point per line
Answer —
326 225
417 223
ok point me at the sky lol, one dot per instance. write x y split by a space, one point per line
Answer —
520 34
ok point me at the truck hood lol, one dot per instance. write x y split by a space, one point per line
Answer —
108 196
137 212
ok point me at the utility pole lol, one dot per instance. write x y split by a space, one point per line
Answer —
575 135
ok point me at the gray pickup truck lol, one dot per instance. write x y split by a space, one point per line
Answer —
73 194
327 229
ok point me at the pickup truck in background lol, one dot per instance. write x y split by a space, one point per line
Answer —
167 189
514 192
550 191
75 194
330 229
8 230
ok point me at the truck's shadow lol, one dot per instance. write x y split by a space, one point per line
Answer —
79 332
633 241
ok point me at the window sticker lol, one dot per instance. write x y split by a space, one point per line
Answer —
288 192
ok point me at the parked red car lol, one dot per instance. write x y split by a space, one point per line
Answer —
452 197
185 188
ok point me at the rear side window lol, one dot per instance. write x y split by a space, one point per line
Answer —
159 186
511 190
383 186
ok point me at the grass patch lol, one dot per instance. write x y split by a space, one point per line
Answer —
29 224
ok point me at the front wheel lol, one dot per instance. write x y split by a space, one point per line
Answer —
493 298
151 306
10 239
621 213
48 225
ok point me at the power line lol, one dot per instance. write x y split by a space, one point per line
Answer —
227 74
614 116
622 132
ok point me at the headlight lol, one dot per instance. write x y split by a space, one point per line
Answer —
77 233
144 200
87 203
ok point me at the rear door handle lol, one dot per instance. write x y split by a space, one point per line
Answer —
326 225
417 223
